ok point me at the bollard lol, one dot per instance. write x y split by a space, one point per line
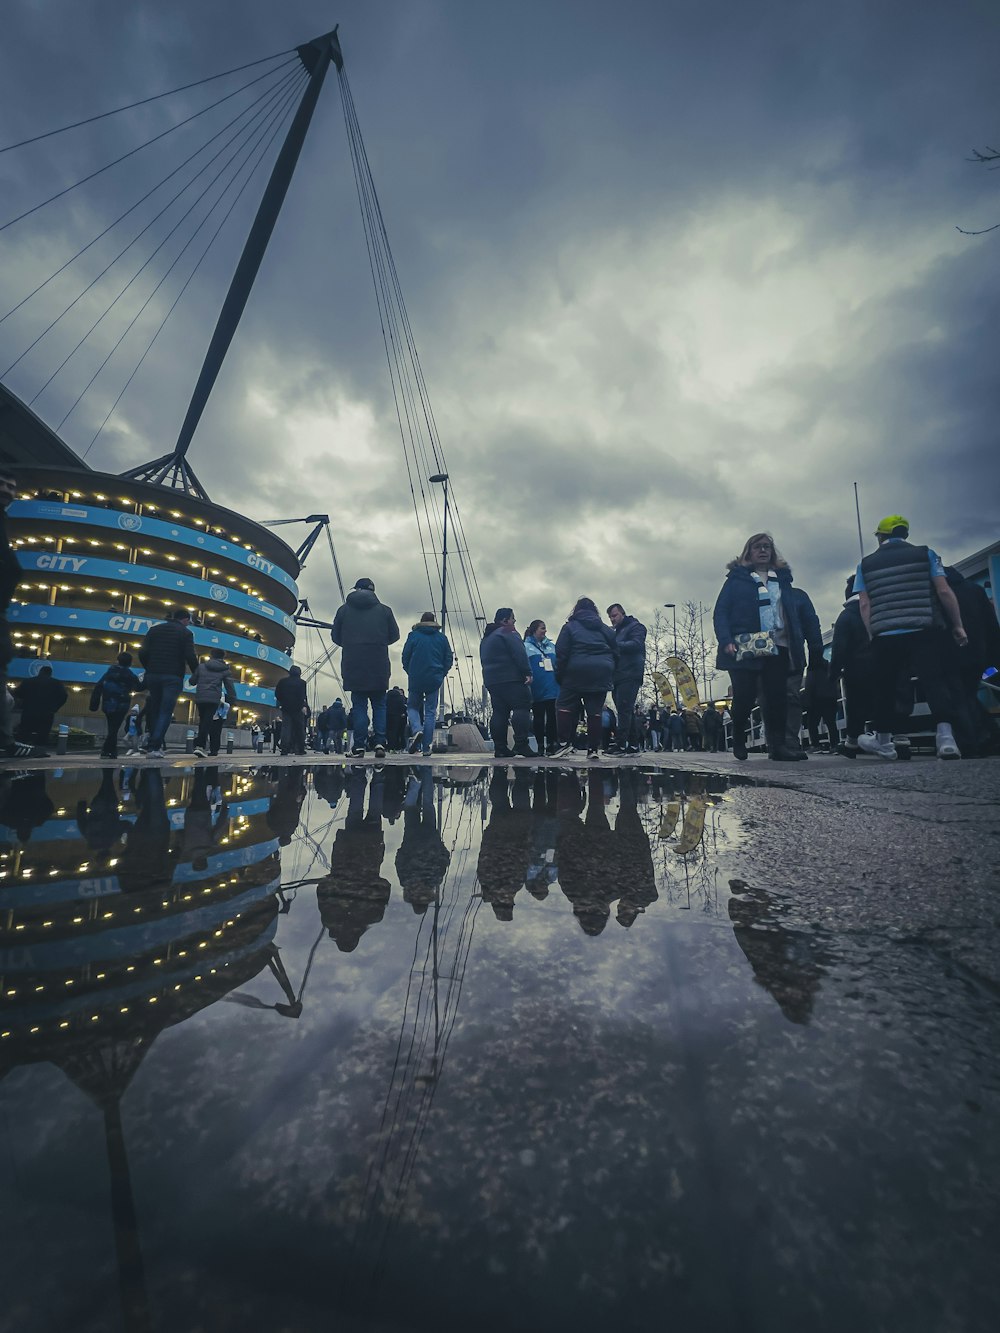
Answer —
189 742
229 742
63 739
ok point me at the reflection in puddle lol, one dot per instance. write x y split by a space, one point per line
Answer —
484 1026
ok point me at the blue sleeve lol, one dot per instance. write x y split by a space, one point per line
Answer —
859 581
937 564
720 617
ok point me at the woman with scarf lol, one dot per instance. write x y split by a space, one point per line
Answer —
761 641
544 689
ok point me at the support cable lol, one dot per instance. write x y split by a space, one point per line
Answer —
132 151
144 101
190 276
245 131
274 120
131 209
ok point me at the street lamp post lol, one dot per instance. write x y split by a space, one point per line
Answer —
441 479
672 606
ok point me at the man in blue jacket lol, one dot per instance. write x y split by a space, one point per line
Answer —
427 659
630 636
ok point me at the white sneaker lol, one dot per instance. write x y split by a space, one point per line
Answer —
202 754
947 749
870 745
156 754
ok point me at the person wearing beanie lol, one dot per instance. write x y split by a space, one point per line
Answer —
427 659
905 604
363 629
290 694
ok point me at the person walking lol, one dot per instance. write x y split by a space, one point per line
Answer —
290 693
40 698
630 636
586 658
713 729
760 640
395 719
211 680
965 667
692 728
675 731
337 724
507 677
167 653
654 728
544 689
113 696
427 659
905 600
363 629
851 660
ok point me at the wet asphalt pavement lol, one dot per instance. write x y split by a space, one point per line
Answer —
708 1045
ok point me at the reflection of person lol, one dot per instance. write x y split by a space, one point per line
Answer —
24 803
422 859
100 822
204 825
354 895
147 859
586 852
544 824
783 961
286 803
505 850
633 854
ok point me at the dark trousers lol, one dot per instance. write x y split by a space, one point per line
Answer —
771 679
919 654
546 728
206 712
624 693
163 695
34 728
859 701
293 731
114 721
823 712
511 703
568 710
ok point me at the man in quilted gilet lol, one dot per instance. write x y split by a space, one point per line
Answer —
906 605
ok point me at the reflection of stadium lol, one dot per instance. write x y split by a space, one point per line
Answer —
104 557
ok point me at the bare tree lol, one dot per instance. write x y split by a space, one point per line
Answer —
983 159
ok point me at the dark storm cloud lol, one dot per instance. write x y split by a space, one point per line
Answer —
675 274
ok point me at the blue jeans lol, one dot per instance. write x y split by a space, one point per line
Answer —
359 716
421 708
164 692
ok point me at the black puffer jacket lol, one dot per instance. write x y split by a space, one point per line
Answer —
503 658
630 635
364 627
851 652
586 653
168 649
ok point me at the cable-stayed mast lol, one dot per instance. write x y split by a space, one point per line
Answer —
173 469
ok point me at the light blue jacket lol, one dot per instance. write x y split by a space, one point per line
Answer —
543 678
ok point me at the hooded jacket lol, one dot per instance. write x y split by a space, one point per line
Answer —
427 657
210 679
586 654
630 635
503 658
363 628
544 685
851 653
113 692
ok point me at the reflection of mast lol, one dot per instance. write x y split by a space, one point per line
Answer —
410 1094
104 1073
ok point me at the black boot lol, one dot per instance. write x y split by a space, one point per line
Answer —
739 749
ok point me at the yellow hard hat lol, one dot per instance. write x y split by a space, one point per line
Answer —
888 525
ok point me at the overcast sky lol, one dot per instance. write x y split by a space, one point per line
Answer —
677 272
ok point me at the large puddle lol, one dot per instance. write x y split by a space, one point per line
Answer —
429 1049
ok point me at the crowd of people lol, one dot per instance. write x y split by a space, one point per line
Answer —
906 616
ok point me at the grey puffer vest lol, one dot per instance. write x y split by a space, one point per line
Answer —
898 582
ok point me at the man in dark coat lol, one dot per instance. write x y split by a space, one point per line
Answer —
166 651
507 677
290 695
363 629
964 667
10 577
395 719
40 698
586 658
630 635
